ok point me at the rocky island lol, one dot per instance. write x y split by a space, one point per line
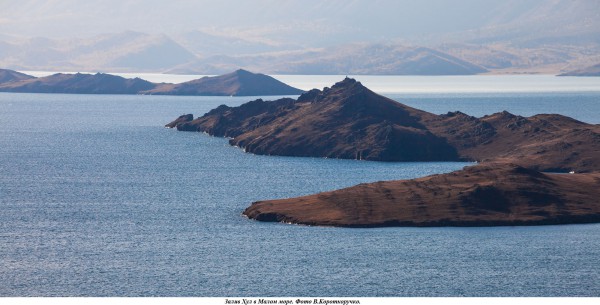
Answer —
238 83
350 121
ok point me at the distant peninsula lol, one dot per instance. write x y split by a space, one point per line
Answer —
237 83
507 187
489 194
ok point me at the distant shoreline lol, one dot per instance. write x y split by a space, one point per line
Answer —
237 83
403 84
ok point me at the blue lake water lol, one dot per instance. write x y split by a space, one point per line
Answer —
98 199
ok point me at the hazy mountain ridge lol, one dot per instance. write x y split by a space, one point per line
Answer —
318 24
504 57
139 52
126 51
382 59
130 51
337 37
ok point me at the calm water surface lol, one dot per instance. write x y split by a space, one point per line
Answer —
98 199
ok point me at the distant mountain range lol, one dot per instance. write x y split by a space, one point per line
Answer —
379 59
425 38
127 51
131 51
139 52
238 83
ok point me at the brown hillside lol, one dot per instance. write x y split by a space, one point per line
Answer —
482 195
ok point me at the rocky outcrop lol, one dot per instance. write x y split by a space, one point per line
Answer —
345 121
490 194
350 121
238 83
180 120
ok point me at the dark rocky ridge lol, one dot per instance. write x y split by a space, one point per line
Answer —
545 142
483 195
344 121
350 121
237 83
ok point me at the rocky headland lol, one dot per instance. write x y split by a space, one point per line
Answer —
345 121
350 121
489 194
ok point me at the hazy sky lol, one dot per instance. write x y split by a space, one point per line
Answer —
402 19
314 22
